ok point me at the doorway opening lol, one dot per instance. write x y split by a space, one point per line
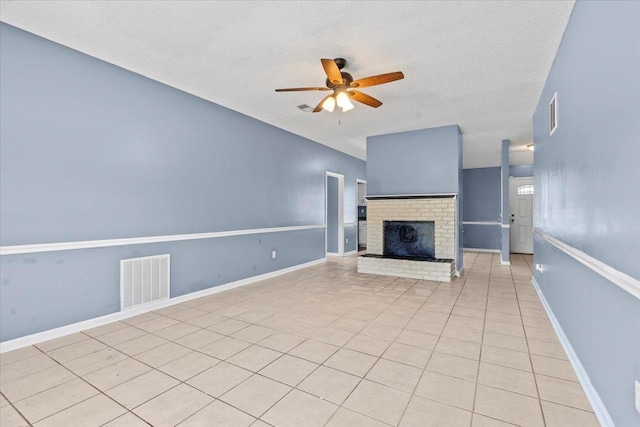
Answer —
334 214
521 208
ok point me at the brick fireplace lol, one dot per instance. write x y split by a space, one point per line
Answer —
424 229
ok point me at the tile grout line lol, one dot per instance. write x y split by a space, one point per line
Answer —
378 359
484 325
152 368
81 401
535 380
436 344
16 409
382 354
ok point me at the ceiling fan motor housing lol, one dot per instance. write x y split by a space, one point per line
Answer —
346 77
346 80
340 62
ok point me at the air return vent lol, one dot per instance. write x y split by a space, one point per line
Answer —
143 280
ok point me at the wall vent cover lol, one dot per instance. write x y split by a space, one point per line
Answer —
143 280
553 114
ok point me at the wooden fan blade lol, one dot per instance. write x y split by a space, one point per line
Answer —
298 89
378 80
332 71
364 98
319 106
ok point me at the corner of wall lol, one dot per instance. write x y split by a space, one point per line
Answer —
506 217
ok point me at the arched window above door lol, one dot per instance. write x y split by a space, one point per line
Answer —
525 189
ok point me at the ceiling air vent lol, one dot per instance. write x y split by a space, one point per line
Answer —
305 108
553 114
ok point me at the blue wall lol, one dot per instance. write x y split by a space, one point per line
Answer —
482 203
482 236
426 161
92 151
415 162
350 236
482 194
587 196
521 171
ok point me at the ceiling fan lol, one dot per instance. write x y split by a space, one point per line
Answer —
344 86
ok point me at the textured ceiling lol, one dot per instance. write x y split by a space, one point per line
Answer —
481 65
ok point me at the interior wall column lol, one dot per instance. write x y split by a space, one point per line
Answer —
506 217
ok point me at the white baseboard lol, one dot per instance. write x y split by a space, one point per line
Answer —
62 331
592 395
458 273
505 262
493 251
350 253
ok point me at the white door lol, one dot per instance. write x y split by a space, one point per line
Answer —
521 207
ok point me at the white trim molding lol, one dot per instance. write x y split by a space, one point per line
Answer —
616 277
493 251
350 253
553 124
503 262
481 223
592 395
121 315
379 196
505 225
340 179
91 244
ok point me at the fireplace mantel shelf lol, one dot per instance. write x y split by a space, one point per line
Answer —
413 196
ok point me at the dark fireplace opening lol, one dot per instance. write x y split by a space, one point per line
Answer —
410 239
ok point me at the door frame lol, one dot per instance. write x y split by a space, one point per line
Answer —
340 212
514 181
358 181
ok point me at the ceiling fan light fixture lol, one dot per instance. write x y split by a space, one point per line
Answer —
329 104
347 107
342 99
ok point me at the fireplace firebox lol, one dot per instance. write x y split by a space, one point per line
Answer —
409 239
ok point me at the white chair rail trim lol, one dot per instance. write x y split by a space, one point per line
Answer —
90 244
616 277
481 223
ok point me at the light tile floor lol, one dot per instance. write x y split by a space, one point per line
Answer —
323 346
